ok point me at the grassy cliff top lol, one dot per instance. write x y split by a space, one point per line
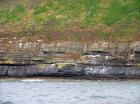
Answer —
71 20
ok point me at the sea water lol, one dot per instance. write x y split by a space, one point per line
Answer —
66 91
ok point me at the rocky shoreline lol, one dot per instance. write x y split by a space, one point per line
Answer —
79 70
98 60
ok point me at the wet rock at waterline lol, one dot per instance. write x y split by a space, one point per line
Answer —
79 70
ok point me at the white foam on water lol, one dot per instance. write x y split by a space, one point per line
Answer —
2 80
32 80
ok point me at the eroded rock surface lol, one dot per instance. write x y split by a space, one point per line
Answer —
73 59
79 70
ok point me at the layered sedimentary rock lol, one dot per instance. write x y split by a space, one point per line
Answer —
79 70
100 59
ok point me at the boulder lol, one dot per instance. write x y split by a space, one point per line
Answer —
135 47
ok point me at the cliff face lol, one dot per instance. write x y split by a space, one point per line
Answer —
77 52
78 70
100 59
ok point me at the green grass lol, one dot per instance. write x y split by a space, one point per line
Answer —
70 17
12 14
118 11
91 7
41 9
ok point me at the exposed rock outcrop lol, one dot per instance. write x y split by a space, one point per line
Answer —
79 70
73 59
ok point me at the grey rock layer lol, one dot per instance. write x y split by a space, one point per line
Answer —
79 70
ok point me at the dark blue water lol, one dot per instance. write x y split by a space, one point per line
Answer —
61 91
